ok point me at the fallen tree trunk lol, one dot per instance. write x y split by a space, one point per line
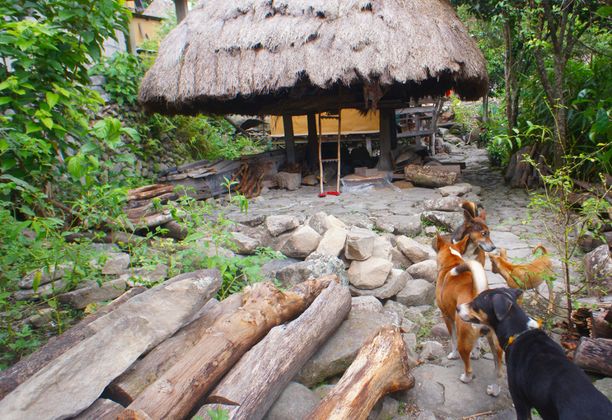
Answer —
102 409
594 355
75 379
431 176
145 371
181 388
149 191
381 367
261 375
28 366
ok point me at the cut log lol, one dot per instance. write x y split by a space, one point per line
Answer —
153 220
381 367
26 367
594 355
149 191
145 371
102 409
431 176
601 326
182 387
74 380
261 375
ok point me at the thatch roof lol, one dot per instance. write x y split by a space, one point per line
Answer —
270 57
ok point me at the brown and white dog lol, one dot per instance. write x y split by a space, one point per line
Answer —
525 276
474 227
460 281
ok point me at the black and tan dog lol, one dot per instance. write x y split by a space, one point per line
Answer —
475 227
539 374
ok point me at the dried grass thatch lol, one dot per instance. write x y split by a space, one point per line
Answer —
264 56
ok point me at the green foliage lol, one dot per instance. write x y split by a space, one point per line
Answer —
218 414
122 73
465 115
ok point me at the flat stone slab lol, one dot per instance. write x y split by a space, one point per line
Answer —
439 390
395 283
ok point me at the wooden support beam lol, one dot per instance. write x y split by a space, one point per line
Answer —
289 139
181 9
313 159
384 162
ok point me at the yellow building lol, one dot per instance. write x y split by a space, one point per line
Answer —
353 122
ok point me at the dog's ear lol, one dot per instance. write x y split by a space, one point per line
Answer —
469 210
483 214
502 305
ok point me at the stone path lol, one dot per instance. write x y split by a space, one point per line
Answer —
391 211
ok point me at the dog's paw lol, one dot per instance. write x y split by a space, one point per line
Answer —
493 390
475 354
466 379
453 355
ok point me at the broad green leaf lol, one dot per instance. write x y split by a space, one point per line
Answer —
48 122
52 99
5 100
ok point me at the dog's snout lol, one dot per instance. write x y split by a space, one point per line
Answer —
487 247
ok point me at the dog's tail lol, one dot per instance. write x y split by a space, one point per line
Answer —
539 250
479 278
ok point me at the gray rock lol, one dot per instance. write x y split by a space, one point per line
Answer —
439 390
116 264
439 331
333 242
430 230
323 390
277 224
427 270
296 402
366 303
451 203
46 290
395 283
93 293
318 222
382 224
444 219
357 219
245 245
410 339
335 356
455 190
426 415
409 326
359 244
393 306
604 386
315 266
288 181
415 251
598 267
431 350
384 409
146 275
417 292
44 276
302 242
41 318
405 225
369 274
399 260
248 219
269 269
382 248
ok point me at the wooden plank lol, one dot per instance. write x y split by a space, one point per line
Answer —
176 393
260 376
289 138
381 367
102 409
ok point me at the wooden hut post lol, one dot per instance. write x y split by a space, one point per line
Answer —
289 140
384 163
313 159
181 9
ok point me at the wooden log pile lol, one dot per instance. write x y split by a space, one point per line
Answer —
173 352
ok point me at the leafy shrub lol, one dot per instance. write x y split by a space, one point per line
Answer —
122 73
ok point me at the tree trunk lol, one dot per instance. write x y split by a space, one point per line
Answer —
594 355
74 380
145 371
102 409
261 375
56 346
432 176
381 367
149 191
180 389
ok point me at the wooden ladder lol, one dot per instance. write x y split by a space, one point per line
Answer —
329 116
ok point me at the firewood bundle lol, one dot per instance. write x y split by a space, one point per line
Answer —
250 178
163 352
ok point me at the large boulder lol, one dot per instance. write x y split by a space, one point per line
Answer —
444 219
403 225
427 270
333 242
366 304
295 402
417 292
269 269
382 248
598 267
450 203
301 243
321 222
415 251
245 245
288 181
369 274
395 283
399 260
277 224
335 356
315 266
359 244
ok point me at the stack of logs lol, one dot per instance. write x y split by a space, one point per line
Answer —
160 353
594 350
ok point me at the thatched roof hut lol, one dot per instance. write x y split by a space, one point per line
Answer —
298 56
